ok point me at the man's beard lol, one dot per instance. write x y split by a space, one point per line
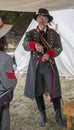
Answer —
42 27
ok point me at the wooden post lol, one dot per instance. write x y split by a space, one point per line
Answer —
56 27
69 122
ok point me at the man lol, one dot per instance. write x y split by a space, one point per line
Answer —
8 79
42 70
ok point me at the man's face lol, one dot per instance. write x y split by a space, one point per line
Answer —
42 21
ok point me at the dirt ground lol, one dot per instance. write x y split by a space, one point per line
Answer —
24 114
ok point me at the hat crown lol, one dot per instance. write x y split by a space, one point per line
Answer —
43 11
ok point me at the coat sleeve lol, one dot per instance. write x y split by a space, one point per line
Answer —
29 42
7 75
58 45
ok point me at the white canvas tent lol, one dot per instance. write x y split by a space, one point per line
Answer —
33 5
65 62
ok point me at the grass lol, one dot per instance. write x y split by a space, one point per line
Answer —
24 114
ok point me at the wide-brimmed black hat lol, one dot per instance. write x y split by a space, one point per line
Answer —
43 12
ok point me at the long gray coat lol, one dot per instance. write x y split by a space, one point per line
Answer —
6 66
6 82
53 40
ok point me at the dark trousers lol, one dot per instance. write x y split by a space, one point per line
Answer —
4 118
41 104
57 109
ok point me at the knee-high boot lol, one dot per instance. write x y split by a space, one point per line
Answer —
58 115
41 107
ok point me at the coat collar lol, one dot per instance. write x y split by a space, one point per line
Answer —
39 30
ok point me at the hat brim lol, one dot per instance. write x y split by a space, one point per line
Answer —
5 29
49 17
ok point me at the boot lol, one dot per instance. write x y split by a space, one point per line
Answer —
59 119
41 107
42 120
57 108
